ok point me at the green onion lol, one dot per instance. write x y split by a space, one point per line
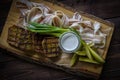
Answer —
45 29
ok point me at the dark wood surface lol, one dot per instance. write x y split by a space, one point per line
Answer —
14 68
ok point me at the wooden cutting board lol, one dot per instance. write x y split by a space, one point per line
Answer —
85 69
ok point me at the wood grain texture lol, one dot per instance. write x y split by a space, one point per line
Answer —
101 8
111 68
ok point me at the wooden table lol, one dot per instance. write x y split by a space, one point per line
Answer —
14 68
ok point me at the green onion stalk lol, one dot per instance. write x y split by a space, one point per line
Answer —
45 29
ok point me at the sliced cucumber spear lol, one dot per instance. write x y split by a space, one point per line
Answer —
85 59
96 56
74 59
81 53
